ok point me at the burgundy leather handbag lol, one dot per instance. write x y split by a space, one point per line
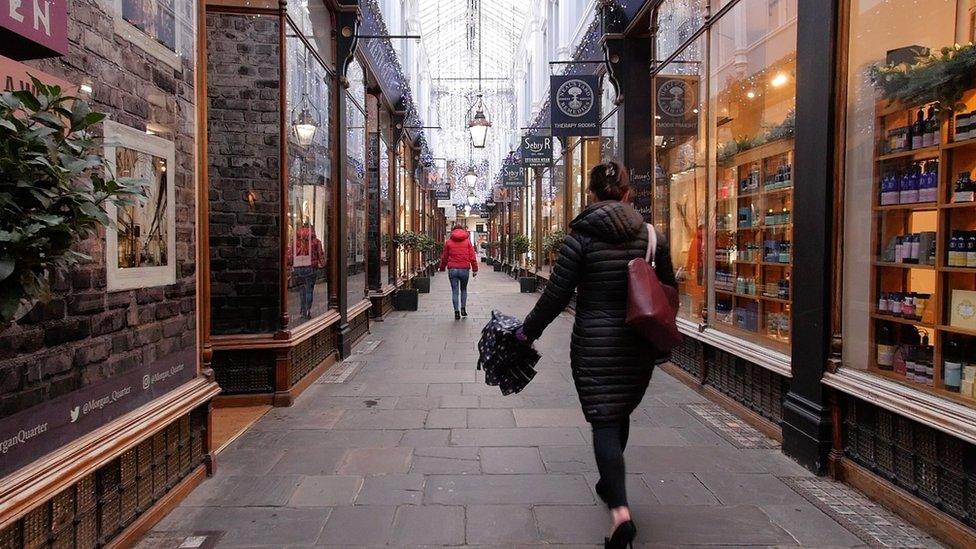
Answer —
651 306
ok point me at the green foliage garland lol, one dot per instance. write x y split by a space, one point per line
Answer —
943 77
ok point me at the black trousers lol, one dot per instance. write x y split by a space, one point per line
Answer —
609 443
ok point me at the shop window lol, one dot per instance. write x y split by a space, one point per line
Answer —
309 182
751 113
162 28
910 218
681 182
577 188
142 243
312 20
386 215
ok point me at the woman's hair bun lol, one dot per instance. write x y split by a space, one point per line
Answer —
608 181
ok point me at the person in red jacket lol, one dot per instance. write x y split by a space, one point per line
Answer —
460 260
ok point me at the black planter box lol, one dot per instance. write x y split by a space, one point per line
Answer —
405 299
421 284
497 267
528 284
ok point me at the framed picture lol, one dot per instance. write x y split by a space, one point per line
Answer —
141 245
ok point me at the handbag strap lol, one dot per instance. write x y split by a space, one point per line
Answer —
651 245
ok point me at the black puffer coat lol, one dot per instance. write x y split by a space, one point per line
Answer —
611 364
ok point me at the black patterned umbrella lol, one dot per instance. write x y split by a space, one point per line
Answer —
509 364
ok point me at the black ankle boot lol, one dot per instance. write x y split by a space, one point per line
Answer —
464 312
457 315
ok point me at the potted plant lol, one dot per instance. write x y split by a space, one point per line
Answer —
424 244
486 258
435 256
551 244
52 194
405 299
497 265
521 246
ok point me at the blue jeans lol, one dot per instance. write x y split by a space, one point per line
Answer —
306 289
459 283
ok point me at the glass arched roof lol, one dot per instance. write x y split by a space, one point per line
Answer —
449 30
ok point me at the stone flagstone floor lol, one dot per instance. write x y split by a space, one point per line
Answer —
410 448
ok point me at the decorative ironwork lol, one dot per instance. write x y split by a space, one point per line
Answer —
753 386
240 372
98 507
310 353
930 464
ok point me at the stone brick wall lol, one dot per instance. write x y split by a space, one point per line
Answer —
243 87
86 334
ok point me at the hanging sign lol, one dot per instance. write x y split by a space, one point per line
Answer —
536 151
442 195
450 212
513 176
30 30
675 106
444 203
574 103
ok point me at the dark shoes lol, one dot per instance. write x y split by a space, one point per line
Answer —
622 537
457 315
464 312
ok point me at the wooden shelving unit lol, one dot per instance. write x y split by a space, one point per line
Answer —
941 217
765 159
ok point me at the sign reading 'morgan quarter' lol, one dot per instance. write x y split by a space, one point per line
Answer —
575 105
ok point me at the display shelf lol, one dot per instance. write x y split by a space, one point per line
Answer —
940 280
957 205
916 207
957 330
767 164
902 320
891 265
924 153
959 144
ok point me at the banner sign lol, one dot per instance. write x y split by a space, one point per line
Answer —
575 105
513 176
676 98
30 30
536 151
41 429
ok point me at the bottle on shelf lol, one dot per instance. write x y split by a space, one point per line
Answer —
963 190
928 188
931 137
886 343
952 366
918 130
965 126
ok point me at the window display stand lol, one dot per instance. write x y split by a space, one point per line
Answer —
754 234
923 327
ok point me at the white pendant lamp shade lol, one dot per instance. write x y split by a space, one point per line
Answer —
470 178
305 127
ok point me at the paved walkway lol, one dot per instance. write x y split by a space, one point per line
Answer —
413 449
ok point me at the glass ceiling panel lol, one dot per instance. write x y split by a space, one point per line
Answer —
449 30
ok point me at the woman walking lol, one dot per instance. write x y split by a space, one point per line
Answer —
611 364
460 261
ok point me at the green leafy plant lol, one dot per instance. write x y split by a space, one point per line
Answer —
521 244
53 190
438 247
552 242
943 76
408 240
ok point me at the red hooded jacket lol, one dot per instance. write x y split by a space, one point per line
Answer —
458 252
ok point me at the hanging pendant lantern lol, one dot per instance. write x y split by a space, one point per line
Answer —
305 126
471 178
478 125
